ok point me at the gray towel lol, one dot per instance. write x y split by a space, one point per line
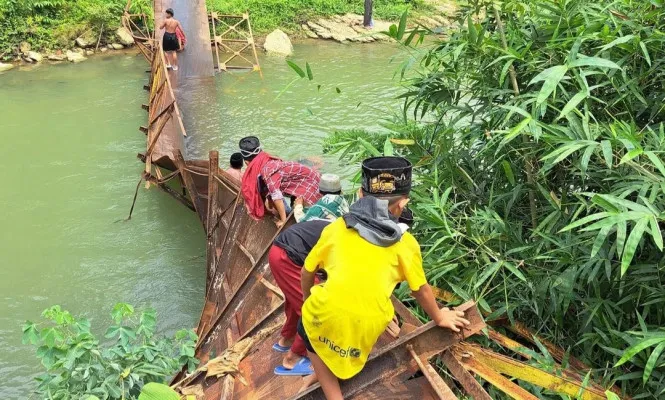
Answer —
370 217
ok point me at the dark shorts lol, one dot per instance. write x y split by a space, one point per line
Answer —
170 42
303 336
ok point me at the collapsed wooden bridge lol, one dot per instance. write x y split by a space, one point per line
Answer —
243 304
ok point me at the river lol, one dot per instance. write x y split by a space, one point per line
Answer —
70 138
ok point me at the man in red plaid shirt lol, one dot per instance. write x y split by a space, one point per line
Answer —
282 178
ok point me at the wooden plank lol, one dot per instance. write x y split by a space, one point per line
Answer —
213 207
443 392
525 372
468 382
189 184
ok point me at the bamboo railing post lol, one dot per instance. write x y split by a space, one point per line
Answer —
213 198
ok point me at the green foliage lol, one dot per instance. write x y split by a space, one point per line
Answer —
267 15
50 24
540 178
79 366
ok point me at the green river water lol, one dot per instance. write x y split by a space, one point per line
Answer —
68 159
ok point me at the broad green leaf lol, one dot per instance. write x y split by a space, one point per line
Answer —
638 347
615 42
584 61
310 75
473 33
402 25
572 103
157 391
586 157
296 68
508 171
388 148
551 77
631 244
651 362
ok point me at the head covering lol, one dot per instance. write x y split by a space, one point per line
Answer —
386 176
236 160
249 146
330 183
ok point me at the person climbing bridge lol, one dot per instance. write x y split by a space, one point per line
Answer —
365 254
235 168
286 258
329 207
266 175
170 42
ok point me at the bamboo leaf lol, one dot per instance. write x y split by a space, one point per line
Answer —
403 142
600 239
513 269
638 347
368 146
606 146
551 77
632 243
296 68
508 171
516 130
573 103
584 61
310 75
656 162
402 25
645 52
585 220
651 362
630 155
388 148
656 233
615 42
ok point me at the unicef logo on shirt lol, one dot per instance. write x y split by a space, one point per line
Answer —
350 352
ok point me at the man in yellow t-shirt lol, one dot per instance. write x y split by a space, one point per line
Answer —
365 254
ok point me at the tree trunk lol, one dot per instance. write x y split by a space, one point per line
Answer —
367 21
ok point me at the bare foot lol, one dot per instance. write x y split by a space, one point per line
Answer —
284 342
290 360
307 382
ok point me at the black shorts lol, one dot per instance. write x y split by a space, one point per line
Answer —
303 336
170 42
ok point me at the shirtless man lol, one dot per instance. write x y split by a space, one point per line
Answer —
170 43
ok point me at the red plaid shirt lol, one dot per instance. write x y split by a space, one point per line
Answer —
292 179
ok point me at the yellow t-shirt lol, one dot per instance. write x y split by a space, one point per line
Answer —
345 316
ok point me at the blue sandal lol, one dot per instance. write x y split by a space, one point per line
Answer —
280 349
302 368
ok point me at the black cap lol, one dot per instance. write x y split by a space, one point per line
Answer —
406 217
387 176
249 146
